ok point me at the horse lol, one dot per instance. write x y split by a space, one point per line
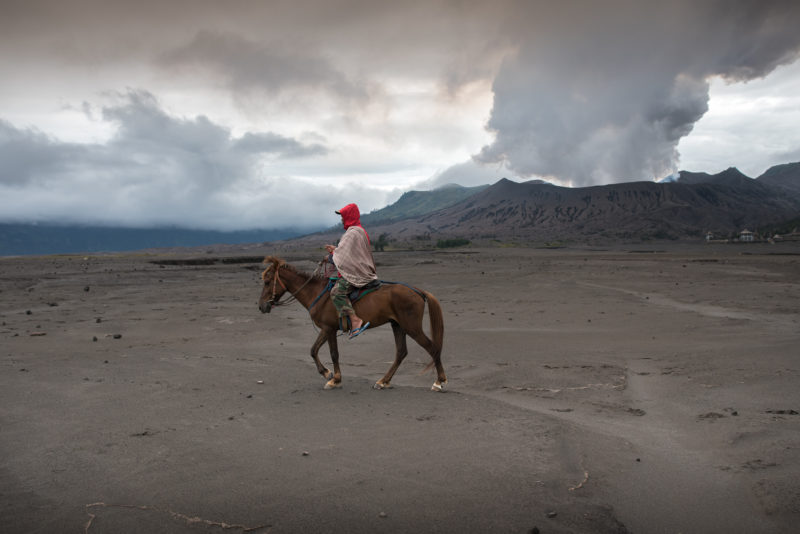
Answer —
398 304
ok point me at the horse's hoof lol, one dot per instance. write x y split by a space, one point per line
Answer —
381 385
331 384
438 386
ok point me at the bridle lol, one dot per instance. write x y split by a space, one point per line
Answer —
276 279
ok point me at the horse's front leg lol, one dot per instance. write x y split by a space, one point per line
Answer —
336 380
321 339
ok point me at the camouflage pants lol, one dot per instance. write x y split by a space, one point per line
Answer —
339 296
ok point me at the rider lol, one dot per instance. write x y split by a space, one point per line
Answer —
353 260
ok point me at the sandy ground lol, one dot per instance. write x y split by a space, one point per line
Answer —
623 390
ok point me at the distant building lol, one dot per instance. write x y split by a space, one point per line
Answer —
746 235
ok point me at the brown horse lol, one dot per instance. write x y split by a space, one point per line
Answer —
398 304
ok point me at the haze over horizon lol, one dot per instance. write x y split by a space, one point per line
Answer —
249 114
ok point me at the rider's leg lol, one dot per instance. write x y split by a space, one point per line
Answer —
343 306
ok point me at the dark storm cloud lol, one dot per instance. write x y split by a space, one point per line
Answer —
246 65
602 92
144 128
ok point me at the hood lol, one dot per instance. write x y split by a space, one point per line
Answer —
350 216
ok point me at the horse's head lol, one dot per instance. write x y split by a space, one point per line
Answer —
273 288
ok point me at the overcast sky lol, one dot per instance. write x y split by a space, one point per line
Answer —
260 114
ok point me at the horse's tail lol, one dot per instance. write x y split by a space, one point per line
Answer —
437 328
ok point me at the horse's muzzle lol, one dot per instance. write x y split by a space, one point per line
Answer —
266 307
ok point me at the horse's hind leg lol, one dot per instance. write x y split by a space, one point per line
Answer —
424 341
400 354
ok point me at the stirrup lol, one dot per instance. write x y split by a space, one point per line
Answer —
358 330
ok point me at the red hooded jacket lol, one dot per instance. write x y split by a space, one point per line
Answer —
351 217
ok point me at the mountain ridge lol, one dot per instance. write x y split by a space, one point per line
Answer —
722 203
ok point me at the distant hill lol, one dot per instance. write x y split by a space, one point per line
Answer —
27 239
696 203
417 203
786 176
729 176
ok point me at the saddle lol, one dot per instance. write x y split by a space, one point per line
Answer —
359 292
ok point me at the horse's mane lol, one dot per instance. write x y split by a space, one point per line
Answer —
281 264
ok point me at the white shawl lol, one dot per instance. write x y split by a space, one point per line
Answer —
353 257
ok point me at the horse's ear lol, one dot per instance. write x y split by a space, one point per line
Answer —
273 263
274 260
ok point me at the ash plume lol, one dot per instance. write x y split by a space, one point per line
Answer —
600 92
